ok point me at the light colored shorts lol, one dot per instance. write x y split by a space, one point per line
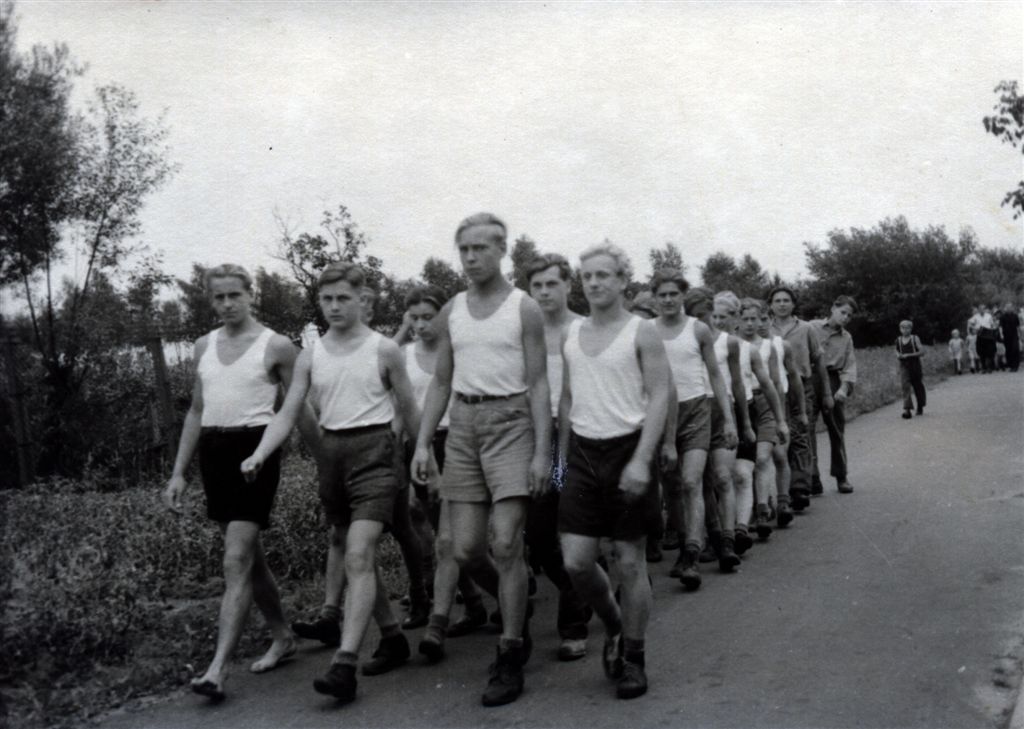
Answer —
488 451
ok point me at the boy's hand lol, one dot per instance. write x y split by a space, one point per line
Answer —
634 479
251 467
172 494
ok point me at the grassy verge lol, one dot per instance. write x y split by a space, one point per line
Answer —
878 377
106 596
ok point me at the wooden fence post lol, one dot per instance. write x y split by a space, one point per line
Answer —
155 345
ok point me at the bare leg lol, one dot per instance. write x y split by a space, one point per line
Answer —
743 478
722 462
764 473
589 580
782 472
509 521
240 539
446 573
692 471
636 588
360 559
268 600
335 577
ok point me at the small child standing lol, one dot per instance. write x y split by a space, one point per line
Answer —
908 352
956 352
972 349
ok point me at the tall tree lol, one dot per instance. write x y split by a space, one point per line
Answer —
39 153
438 272
524 250
307 254
668 256
1007 125
280 303
721 272
894 272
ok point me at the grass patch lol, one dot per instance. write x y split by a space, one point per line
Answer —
107 597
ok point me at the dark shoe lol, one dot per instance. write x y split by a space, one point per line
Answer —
208 689
325 630
677 569
432 645
844 487
506 678
799 499
670 542
817 489
764 529
707 554
633 682
390 654
572 650
785 516
714 541
689 576
611 657
742 542
339 682
654 552
728 560
419 616
472 620
906 415
920 411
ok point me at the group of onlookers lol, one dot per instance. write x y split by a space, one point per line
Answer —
992 344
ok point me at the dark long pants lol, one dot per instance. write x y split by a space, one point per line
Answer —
912 381
1012 353
835 422
546 555
801 455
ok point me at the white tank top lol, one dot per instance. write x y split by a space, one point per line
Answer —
780 359
688 370
555 381
488 353
347 387
750 382
420 379
722 360
608 397
241 394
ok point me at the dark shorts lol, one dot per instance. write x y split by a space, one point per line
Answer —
359 474
591 503
228 496
693 425
488 451
717 426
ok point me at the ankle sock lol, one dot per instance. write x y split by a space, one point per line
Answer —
505 643
633 650
345 658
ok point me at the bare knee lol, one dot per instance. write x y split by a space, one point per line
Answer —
237 562
468 555
359 560
723 480
631 565
507 549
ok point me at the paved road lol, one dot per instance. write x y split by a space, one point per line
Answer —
900 605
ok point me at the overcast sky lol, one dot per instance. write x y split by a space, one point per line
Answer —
747 127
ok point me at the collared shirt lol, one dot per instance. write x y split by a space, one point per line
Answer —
802 342
836 349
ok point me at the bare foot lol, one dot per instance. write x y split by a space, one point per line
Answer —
210 685
279 651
